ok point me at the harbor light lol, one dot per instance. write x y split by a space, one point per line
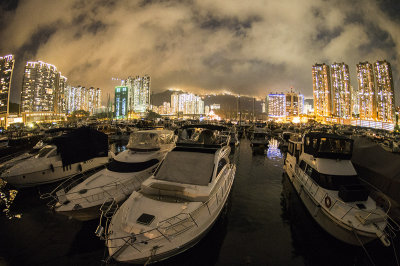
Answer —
296 120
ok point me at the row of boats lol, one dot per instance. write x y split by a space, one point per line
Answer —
154 200
163 193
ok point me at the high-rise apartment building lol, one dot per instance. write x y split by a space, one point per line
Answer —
186 103
138 93
6 70
81 98
366 91
321 90
292 104
41 88
341 90
384 91
276 105
301 104
121 102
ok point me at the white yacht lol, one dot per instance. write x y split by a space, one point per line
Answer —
75 152
320 169
175 207
82 198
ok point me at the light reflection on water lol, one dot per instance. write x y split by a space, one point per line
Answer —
7 197
274 153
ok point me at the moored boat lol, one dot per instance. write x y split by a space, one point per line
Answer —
69 154
81 198
176 206
319 167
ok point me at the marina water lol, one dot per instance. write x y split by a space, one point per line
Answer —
263 223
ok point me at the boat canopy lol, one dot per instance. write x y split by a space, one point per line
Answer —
323 145
149 140
195 168
80 145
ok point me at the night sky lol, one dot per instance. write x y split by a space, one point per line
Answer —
248 47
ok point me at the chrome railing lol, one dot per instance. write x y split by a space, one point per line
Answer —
57 195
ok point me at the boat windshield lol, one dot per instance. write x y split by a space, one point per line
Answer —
124 167
144 140
44 151
341 146
260 136
194 168
334 182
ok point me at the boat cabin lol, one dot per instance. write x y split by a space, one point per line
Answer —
330 146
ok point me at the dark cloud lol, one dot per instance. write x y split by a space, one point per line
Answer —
250 48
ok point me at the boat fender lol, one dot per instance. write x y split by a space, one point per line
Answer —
328 202
52 167
80 167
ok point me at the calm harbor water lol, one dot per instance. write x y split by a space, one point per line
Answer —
263 223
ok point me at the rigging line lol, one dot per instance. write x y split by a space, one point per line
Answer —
394 250
362 245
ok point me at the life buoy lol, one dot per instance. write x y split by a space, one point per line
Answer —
328 202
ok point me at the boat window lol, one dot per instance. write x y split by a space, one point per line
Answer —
341 146
334 182
309 170
290 148
221 165
260 136
44 151
314 143
124 167
303 165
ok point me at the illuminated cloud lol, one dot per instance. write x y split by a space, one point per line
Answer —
251 47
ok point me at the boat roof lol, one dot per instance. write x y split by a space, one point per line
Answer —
206 126
325 135
187 168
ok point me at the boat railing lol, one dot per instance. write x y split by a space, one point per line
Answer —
178 224
58 195
334 205
105 192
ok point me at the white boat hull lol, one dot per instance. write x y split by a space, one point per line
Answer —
177 244
90 203
329 223
57 173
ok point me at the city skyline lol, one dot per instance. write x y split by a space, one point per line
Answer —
202 46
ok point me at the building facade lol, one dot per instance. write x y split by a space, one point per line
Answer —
186 104
81 98
341 90
6 70
121 102
292 104
138 93
276 105
40 87
366 91
385 107
321 90
42 95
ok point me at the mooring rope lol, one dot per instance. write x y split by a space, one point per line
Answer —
362 245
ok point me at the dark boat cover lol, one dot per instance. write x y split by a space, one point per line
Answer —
81 145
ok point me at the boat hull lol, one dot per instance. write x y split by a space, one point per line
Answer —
54 174
185 240
330 224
